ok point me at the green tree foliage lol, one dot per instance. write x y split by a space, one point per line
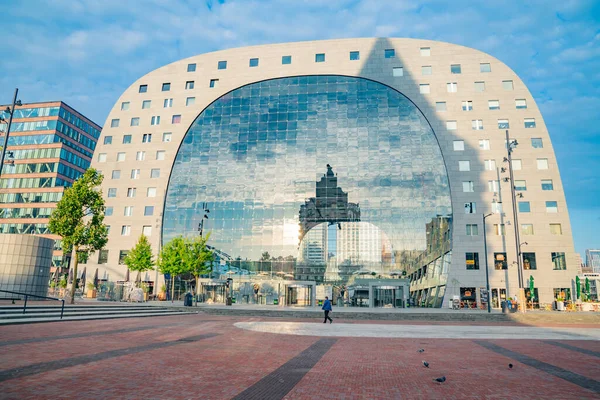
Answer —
79 219
171 259
139 259
198 260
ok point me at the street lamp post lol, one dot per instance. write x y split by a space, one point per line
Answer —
487 272
10 112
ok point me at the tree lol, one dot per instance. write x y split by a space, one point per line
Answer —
171 259
198 257
79 219
139 259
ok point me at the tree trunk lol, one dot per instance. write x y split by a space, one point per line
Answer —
74 283
172 288
196 289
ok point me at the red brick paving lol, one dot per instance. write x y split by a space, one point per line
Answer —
223 366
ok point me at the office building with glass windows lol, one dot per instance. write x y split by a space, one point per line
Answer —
50 145
338 160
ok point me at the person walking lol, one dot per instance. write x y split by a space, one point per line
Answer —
327 309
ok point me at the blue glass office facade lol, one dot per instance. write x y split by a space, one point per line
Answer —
326 171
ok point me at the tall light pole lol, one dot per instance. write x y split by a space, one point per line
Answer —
487 271
510 146
10 111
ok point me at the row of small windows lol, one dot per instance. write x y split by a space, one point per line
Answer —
131 192
135 174
128 211
558 260
452 87
490 165
477 124
493 186
31 197
26 212
484 144
139 156
467 105
146 138
16 183
500 229
523 206
167 103
38 229
154 120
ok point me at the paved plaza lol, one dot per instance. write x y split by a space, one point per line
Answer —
222 357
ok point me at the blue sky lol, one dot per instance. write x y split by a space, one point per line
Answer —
87 52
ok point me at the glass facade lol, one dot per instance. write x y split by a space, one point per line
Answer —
325 177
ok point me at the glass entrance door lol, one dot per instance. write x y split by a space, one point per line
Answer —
298 295
498 296
384 296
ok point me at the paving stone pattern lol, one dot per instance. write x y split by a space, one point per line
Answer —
205 356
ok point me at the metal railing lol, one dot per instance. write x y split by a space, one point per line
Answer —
27 295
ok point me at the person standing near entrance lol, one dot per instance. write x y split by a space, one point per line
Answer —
327 309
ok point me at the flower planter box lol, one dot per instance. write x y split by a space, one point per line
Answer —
560 305
91 294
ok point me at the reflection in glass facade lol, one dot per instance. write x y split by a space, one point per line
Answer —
338 175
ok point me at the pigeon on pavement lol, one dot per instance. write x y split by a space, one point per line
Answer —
510 366
425 364
421 350
440 380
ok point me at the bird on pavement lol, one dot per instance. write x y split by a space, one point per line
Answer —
421 350
510 366
425 364
440 380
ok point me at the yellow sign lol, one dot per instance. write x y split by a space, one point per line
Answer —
470 262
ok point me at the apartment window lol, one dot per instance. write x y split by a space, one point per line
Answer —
166 87
507 85
151 192
552 206
440 106
148 210
455 69
459 145
135 174
114 123
496 207
176 119
489 165
472 260
524 207
464 166
559 260
470 208
529 261
160 155
108 211
285 60
168 103
484 144
155 120
354 55
529 122
125 230
521 104
107 139
253 62
126 139
467 105
500 260
146 104
537 143
155 173
485 67
389 53
120 156
213 83
116 174
503 124
493 186
426 70
140 156
112 192
425 51
166 137
143 88
147 138
452 87
131 192
191 68
424 88
451 125
520 185
222 65
128 211
517 165
477 124
499 230
547 184
468 186
472 230
146 230
494 104
320 57
190 101
102 157
135 121
480 86
189 85
398 71
542 163
122 255
527 229
555 229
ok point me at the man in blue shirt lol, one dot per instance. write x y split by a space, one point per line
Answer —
327 309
